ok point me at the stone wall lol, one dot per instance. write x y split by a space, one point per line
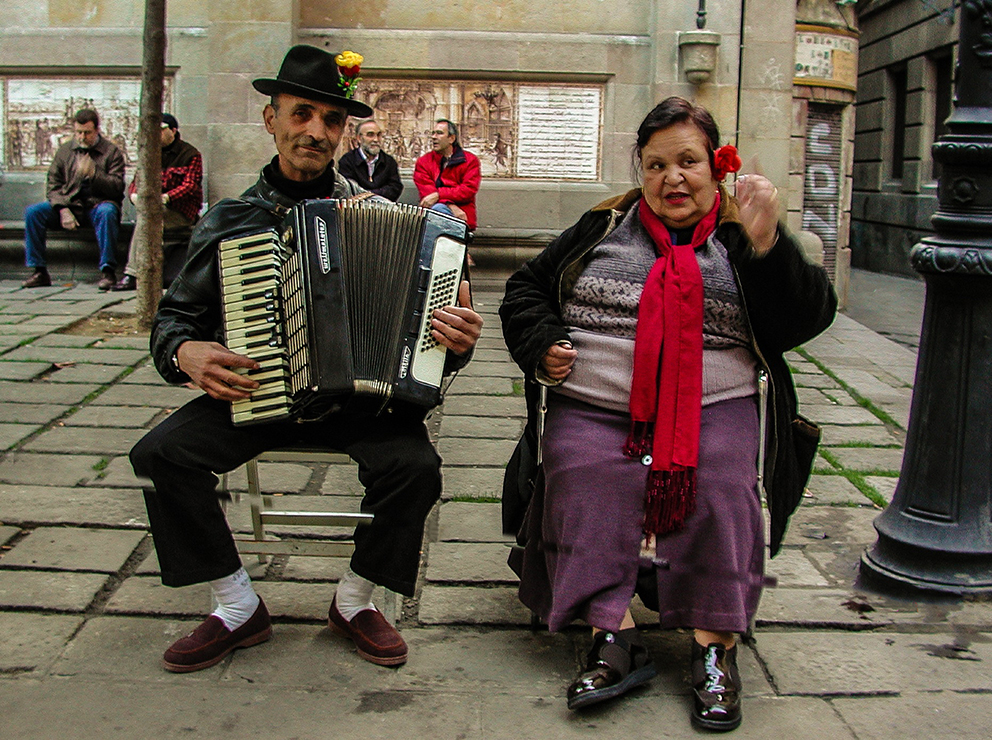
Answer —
629 48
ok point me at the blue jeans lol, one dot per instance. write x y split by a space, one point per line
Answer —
442 208
104 217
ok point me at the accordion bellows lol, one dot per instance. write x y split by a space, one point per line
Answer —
338 303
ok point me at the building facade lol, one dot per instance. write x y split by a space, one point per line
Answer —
548 96
905 77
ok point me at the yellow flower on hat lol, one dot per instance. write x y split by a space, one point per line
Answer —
349 62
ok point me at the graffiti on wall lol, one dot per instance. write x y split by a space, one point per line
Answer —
37 115
822 192
517 130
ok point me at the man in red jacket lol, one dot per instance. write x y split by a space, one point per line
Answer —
448 177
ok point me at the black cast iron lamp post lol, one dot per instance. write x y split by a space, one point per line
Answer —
936 535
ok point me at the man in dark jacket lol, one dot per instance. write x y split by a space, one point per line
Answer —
182 195
369 166
309 106
448 177
85 188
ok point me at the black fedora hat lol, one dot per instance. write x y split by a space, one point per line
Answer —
312 73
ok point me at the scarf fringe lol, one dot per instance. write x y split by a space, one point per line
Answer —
639 441
671 498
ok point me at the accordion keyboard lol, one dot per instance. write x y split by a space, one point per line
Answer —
250 269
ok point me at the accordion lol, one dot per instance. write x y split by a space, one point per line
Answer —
337 304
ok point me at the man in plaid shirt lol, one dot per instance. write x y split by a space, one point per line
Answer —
182 196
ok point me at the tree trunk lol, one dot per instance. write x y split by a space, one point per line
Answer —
147 244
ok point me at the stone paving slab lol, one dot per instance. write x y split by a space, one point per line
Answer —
7 533
303 568
817 607
130 649
112 416
886 487
813 525
482 386
144 375
64 340
469 562
472 482
74 506
120 341
814 379
97 355
11 434
493 369
85 373
829 414
30 413
462 452
481 427
10 370
73 548
65 394
879 436
85 439
853 663
70 592
868 458
146 595
162 395
53 470
816 397
791 568
500 406
273 478
32 642
917 714
117 474
150 567
341 479
832 489
470 522
472 605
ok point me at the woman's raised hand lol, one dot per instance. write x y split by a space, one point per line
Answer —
758 200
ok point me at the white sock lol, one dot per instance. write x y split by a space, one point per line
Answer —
354 594
236 599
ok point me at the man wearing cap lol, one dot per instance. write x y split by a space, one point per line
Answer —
182 195
448 177
306 116
369 166
85 187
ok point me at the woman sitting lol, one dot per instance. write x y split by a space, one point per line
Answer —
651 320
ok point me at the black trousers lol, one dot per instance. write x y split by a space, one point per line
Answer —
398 466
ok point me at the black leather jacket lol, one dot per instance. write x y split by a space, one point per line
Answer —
787 301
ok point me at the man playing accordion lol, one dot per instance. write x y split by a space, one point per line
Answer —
311 99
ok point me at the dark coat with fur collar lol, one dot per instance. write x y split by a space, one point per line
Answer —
787 300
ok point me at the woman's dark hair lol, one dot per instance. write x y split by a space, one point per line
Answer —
669 112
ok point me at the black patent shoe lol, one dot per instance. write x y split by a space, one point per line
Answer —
716 687
614 667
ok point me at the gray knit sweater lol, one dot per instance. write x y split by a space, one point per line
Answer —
601 314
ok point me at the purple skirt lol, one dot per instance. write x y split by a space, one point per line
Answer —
582 559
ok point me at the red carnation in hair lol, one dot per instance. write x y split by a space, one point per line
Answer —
725 159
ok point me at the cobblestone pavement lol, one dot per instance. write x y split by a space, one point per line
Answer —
84 619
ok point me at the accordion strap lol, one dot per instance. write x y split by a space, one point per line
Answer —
279 211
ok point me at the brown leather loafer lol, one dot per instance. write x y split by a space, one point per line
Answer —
716 687
108 281
376 639
40 279
210 643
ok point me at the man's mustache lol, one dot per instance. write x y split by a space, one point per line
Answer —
309 141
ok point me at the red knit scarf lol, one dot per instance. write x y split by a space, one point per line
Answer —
666 394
